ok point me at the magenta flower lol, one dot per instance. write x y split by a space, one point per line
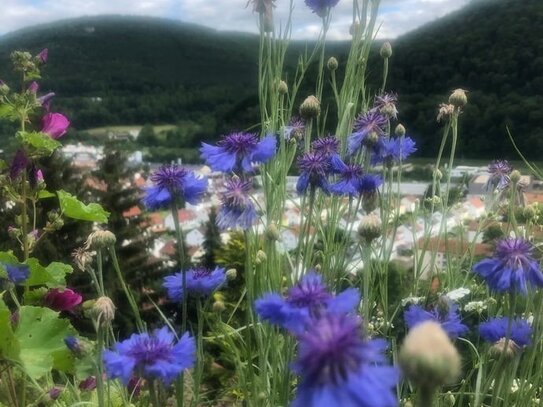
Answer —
62 300
55 125
43 55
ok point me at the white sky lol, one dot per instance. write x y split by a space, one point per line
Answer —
396 16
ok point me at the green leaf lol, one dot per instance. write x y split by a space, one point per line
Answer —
9 346
39 142
38 274
75 209
41 336
43 194
58 272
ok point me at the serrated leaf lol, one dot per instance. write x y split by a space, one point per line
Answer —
58 272
38 274
43 194
39 142
75 209
41 336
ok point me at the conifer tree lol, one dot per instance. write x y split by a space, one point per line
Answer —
212 241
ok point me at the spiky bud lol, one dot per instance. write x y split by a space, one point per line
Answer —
282 88
103 311
332 64
272 232
428 357
100 239
369 228
458 98
310 107
386 50
515 176
399 130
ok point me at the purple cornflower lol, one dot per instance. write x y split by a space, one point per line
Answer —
18 164
386 104
238 151
394 149
338 367
306 299
496 330
350 177
199 282
314 168
445 313
17 274
237 209
511 268
325 145
295 129
174 182
151 356
369 127
499 175
321 7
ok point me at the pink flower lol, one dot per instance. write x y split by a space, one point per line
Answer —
43 55
62 300
55 124
34 87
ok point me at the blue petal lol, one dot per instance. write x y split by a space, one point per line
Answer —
345 302
264 150
218 158
156 198
194 188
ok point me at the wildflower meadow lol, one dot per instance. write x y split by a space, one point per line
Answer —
300 326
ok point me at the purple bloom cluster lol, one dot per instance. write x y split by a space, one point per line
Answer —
238 151
150 356
512 268
173 182
314 170
295 129
199 282
237 210
321 7
386 104
369 127
445 313
497 329
337 365
326 146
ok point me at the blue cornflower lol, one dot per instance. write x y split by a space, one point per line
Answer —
321 7
295 129
17 274
174 182
199 282
314 168
152 356
496 330
350 177
386 104
306 299
369 184
237 209
238 151
499 170
339 368
445 314
511 268
394 149
325 145
368 129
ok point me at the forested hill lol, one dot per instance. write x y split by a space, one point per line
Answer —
159 71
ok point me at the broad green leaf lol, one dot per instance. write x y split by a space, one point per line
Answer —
75 209
41 336
58 272
45 194
38 274
64 360
9 346
39 142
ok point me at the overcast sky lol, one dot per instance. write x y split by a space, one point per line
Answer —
396 17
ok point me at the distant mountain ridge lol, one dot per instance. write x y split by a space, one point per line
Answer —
162 71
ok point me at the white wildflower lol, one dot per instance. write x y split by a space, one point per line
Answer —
458 294
411 300
478 306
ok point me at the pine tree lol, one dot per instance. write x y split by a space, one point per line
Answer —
212 241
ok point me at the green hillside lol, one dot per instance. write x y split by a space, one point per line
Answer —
134 70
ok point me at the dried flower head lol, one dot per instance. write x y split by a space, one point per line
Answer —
103 311
82 258
445 112
100 239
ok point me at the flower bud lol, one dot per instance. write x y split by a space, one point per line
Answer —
54 393
438 174
88 384
458 98
332 64
310 107
260 257
428 357
282 88
218 306
400 130
369 228
449 399
515 176
100 239
272 232
386 50
530 212
103 311
231 274
505 347
4 88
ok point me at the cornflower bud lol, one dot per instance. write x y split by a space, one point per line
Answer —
218 306
332 64
515 176
4 88
386 50
400 130
103 311
260 257
272 232
282 88
458 98
369 228
100 239
310 107
231 274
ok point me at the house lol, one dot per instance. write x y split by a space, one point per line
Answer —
195 238
187 219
